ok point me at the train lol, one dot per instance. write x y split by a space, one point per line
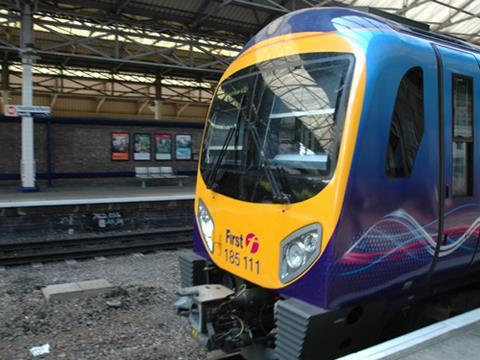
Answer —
336 184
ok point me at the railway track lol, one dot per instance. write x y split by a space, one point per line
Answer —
87 247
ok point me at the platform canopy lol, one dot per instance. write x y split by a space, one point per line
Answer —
458 18
122 48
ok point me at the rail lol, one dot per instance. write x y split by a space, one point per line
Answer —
86 247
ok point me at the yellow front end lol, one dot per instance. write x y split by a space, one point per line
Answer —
247 236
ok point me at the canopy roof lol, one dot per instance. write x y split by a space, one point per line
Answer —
459 18
181 39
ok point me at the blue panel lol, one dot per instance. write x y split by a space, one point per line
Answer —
385 234
462 214
320 20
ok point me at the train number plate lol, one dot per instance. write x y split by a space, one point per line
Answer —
243 262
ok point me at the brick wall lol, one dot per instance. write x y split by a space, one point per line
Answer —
85 148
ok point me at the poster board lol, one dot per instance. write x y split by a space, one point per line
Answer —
163 147
120 146
183 147
142 147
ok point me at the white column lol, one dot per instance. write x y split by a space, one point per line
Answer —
27 55
28 156
158 109
5 85
5 96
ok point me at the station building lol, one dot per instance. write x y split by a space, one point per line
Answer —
104 106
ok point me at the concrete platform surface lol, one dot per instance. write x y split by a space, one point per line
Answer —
76 289
455 338
98 194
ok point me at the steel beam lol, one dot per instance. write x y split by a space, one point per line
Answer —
119 43
447 23
456 8
412 5
154 15
204 17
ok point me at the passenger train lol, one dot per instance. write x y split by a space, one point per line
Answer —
336 184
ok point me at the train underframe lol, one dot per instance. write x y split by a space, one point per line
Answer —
232 315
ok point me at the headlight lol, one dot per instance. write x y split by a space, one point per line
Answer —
206 224
295 255
299 250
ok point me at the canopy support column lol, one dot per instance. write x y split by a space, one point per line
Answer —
27 54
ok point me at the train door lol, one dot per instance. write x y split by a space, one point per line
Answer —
459 93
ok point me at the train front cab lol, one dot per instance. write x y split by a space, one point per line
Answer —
255 224
406 157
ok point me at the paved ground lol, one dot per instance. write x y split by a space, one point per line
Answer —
446 340
135 322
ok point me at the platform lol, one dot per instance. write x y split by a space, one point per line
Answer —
98 194
455 338
73 212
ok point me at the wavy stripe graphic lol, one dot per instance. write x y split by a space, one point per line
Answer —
398 235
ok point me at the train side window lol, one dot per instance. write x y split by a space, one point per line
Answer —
462 145
407 125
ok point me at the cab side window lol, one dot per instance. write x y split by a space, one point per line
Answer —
462 146
407 125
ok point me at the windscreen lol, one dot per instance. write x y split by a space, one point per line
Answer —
274 128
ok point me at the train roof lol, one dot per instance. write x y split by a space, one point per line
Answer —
330 19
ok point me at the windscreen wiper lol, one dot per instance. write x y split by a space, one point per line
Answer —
212 175
278 195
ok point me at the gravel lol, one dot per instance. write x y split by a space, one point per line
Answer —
136 321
